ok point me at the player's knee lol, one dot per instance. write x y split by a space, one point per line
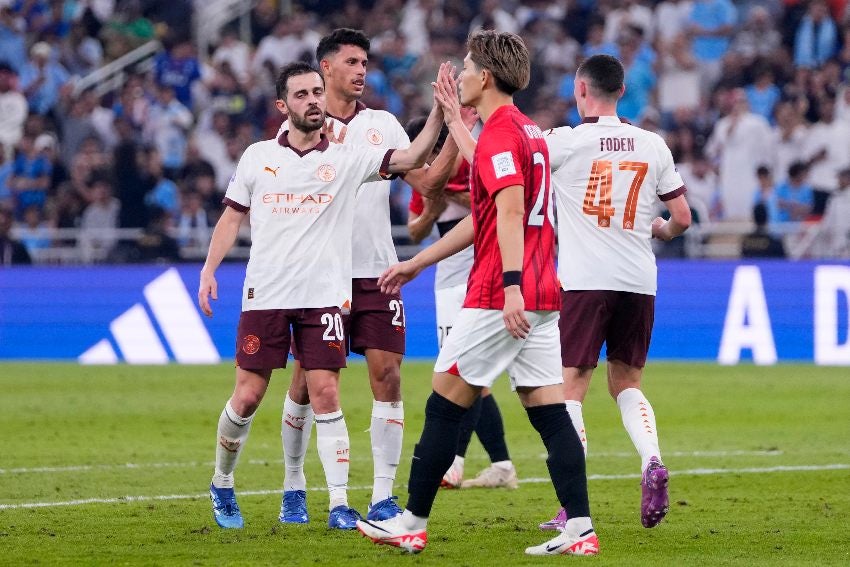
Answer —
617 384
245 401
324 398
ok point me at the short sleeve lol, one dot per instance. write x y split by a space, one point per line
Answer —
499 161
240 188
417 204
670 183
373 162
557 140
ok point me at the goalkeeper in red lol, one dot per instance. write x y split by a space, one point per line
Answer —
509 320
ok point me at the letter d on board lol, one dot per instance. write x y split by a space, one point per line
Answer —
747 323
829 282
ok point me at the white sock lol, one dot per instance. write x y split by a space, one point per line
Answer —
296 425
458 461
639 420
332 441
387 432
411 522
574 409
232 433
577 526
506 465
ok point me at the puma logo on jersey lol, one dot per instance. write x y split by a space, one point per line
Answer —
272 171
335 345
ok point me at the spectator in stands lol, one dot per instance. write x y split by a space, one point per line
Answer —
167 127
702 184
739 143
11 251
817 38
760 243
794 197
671 19
758 39
178 69
763 94
679 80
13 110
789 137
13 49
291 40
766 194
639 78
492 16
596 44
835 226
43 80
76 126
235 53
99 221
129 178
827 149
193 225
156 244
127 31
625 14
81 54
397 60
711 24
164 193
34 233
30 177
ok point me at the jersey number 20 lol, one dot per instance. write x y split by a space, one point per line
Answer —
535 217
601 181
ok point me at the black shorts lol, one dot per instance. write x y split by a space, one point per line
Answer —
376 319
621 319
263 338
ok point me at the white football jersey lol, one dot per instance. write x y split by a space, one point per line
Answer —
607 176
372 248
301 207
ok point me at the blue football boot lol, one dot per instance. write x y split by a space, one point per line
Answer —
293 507
343 518
384 510
225 509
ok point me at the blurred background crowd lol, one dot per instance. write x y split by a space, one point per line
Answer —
121 121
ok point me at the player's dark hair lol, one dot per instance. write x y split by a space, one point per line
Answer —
415 125
605 75
293 70
505 55
332 42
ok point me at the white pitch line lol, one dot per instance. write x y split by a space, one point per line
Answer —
190 464
165 497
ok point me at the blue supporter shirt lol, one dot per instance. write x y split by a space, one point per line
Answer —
803 194
45 98
179 74
712 15
31 169
639 82
12 48
762 102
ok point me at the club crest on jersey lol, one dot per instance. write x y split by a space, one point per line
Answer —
326 173
251 344
374 137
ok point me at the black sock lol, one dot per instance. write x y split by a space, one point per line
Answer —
468 424
491 430
434 453
566 457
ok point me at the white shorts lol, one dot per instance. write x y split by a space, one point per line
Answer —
449 302
480 348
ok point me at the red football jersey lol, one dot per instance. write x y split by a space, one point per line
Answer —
511 151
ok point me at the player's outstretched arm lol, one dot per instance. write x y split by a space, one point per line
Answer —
223 236
680 219
510 213
431 180
454 241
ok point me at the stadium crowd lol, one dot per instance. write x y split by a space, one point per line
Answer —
752 96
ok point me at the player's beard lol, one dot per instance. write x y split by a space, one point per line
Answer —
305 124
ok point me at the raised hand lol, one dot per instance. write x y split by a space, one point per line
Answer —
469 116
445 92
328 131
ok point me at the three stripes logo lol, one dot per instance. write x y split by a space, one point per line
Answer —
137 339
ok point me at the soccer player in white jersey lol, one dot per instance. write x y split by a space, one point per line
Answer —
445 209
608 176
297 191
375 326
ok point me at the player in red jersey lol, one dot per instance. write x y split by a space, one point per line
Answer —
509 320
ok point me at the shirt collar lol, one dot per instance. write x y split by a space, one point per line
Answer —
358 106
323 144
604 120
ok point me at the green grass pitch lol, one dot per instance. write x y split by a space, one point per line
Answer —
111 464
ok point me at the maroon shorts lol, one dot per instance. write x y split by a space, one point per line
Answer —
621 319
376 319
263 338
